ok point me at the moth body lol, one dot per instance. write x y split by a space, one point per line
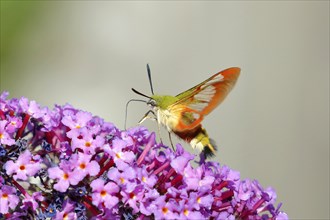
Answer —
170 118
183 114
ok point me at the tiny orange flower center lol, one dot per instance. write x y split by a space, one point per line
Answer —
82 166
51 210
88 144
199 200
132 195
186 212
103 193
122 180
1 135
144 179
164 210
118 155
78 126
13 123
22 167
65 176
5 196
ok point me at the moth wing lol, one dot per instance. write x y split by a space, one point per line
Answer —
185 117
200 100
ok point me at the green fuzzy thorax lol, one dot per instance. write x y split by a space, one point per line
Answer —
163 101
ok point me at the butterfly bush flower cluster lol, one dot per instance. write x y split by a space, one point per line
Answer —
66 163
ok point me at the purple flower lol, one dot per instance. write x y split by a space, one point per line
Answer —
8 199
66 163
86 141
31 108
132 197
282 216
76 120
24 167
145 178
3 101
166 208
125 178
64 176
5 137
187 211
199 200
122 158
32 201
148 204
84 166
67 211
104 194
13 124
195 178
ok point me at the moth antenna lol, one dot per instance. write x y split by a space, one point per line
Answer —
139 93
150 81
131 100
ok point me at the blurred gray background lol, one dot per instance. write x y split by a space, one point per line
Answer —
274 126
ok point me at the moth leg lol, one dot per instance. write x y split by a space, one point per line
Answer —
159 134
169 135
147 116
152 117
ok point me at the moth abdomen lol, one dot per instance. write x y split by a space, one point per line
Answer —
199 139
210 149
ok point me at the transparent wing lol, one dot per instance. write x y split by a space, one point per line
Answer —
200 100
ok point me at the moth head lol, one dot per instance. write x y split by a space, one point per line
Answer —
152 103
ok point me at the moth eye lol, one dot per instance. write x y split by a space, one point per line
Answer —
152 103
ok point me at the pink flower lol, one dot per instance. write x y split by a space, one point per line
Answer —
104 193
87 142
24 167
84 166
13 124
32 201
65 177
122 158
75 120
5 138
67 212
8 199
32 108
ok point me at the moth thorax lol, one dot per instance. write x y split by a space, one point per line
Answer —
167 119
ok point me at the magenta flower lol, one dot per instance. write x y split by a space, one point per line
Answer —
25 166
66 163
